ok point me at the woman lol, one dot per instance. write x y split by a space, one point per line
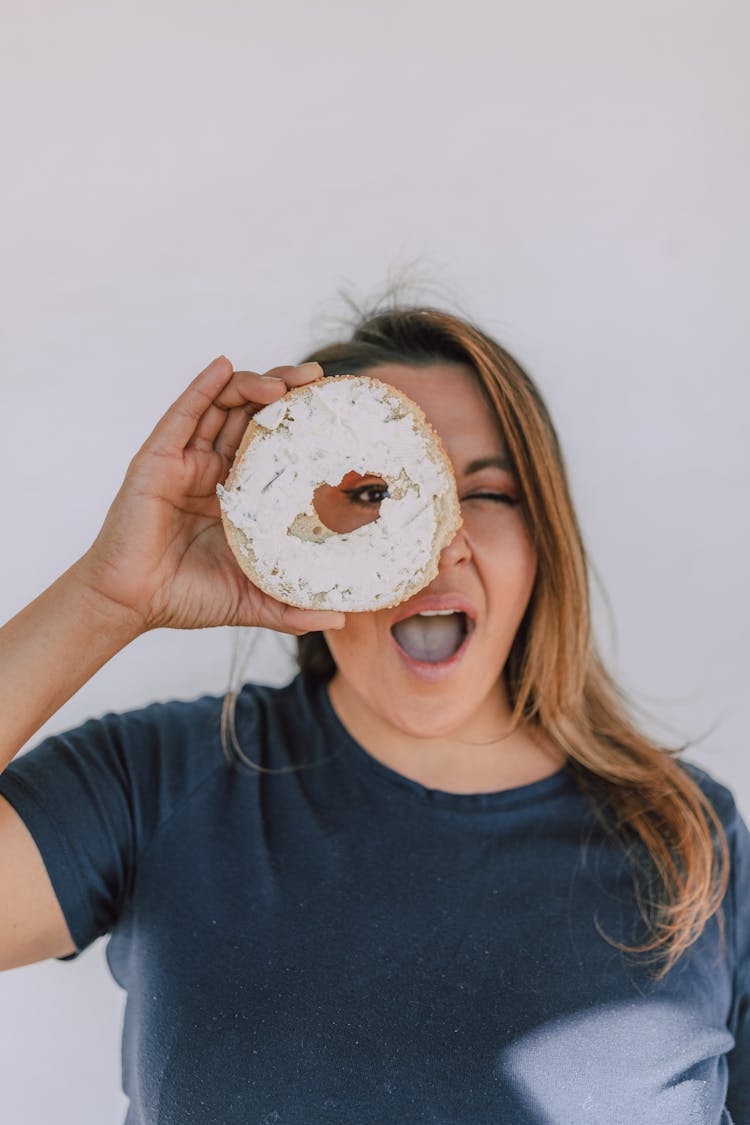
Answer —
473 894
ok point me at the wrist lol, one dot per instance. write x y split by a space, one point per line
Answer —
119 620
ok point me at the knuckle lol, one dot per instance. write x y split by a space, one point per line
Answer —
280 372
296 375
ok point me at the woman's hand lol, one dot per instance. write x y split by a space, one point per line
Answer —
161 553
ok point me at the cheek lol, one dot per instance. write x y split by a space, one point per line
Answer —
511 561
501 531
527 556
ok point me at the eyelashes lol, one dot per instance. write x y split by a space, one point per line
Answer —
355 495
499 497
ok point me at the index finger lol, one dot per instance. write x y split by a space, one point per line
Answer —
177 425
297 376
246 392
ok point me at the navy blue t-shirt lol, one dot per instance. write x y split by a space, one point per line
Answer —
339 944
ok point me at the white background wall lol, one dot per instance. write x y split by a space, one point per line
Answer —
184 179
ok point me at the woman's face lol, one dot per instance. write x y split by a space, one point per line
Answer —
491 562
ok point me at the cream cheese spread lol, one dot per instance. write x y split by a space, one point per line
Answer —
344 425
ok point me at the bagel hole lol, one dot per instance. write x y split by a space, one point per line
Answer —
337 507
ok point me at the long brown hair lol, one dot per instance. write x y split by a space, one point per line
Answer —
556 681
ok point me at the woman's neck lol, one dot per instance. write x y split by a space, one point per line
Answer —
478 758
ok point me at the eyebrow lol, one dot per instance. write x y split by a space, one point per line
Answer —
494 462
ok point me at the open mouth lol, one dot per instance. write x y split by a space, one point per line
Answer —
433 640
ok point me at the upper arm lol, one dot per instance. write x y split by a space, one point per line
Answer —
79 811
32 925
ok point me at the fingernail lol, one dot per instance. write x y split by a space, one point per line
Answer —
310 365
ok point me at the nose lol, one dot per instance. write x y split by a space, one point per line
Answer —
457 551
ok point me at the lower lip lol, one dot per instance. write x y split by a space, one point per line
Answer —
434 672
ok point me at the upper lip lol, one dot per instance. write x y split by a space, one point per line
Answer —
437 601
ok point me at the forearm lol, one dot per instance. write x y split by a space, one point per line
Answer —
50 649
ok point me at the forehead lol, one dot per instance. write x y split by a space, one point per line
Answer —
453 402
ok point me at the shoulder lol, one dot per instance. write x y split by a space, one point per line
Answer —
168 722
720 795
185 735
266 711
738 839
173 727
153 755
737 835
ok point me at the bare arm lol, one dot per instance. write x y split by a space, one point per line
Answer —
50 649
160 561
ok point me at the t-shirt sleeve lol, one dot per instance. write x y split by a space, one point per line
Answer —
738 1094
93 798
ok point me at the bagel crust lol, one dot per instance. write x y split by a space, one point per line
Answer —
315 434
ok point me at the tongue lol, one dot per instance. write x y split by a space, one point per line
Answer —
431 639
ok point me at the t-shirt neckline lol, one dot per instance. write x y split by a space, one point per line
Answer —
502 799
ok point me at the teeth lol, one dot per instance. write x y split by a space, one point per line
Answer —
437 612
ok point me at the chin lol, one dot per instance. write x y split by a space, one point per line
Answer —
419 720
